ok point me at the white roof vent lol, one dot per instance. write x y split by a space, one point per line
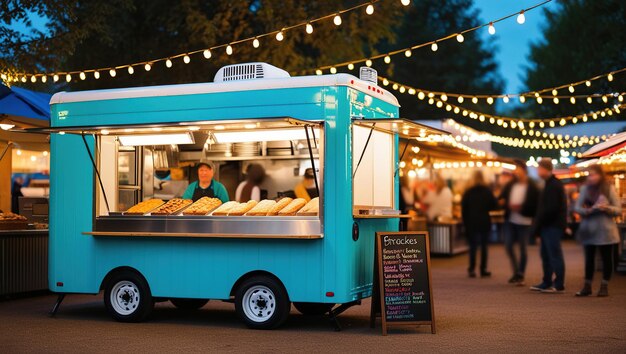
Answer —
249 71
369 74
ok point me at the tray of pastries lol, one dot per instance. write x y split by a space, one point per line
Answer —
293 207
203 206
173 206
144 207
312 208
11 221
225 208
280 205
242 208
262 208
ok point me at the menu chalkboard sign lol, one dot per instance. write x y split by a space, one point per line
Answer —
402 284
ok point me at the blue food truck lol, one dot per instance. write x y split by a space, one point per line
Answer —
111 149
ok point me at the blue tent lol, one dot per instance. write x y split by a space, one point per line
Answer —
19 102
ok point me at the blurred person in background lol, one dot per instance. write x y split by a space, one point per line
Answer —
477 202
16 193
519 199
250 188
439 200
598 204
306 189
550 223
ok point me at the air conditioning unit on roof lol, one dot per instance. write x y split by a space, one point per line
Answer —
249 71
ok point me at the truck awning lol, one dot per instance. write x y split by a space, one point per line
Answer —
405 128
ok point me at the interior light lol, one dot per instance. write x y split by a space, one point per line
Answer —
224 137
5 126
156 139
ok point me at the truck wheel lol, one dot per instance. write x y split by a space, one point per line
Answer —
127 297
262 303
312 308
189 304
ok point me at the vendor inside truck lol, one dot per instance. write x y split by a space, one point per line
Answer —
206 186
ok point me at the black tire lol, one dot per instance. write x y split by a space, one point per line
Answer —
313 308
189 304
133 299
266 296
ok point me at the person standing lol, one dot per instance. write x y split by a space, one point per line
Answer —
439 201
307 189
520 198
476 204
550 223
206 186
250 188
598 204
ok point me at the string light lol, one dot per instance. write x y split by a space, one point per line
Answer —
408 53
387 59
96 75
81 75
337 20
280 36
460 38
350 66
206 53
369 9
147 67
68 78
168 63
406 2
55 78
112 72
34 78
229 50
44 78
186 59
368 62
434 47
333 70
521 18
309 28
255 43
130 70
492 29
609 77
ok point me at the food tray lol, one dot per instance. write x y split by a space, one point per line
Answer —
146 213
182 207
13 225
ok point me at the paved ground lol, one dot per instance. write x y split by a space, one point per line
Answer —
473 315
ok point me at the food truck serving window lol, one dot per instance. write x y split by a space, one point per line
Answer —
372 168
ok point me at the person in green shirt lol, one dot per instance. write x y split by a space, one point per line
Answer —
206 186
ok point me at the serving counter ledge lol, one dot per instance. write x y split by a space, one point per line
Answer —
266 227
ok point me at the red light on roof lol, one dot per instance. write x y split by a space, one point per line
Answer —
352 82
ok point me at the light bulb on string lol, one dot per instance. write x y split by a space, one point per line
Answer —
207 54
337 20
82 76
255 43
460 99
130 70
571 89
68 77
387 59
460 38
385 82
539 100
406 2
505 99
434 47
588 83
572 100
368 62
147 67
186 59
490 100
605 99
44 78
318 72
333 70
521 18
168 63
350 66
522 99
555 92
609 77
33 78
369 9
444 97
280 36
407 53
555 100
308 28
23 78
474 100
112 72
229 50
491 29
55 78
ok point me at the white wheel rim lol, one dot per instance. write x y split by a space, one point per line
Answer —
259 303
125 297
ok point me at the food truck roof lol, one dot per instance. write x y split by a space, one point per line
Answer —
229 86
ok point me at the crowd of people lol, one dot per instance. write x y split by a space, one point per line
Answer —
532 212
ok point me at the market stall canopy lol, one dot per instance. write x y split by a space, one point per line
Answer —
607 147
22 108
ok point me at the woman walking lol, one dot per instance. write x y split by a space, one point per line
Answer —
597 204
476 204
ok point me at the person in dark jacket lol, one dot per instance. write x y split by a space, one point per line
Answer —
476 204
550 223
519 199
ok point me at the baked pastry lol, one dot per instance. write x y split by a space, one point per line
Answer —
242 208
262 208
293 207
312 207
202 206
144 207
11 217
171 207
279 206
225 208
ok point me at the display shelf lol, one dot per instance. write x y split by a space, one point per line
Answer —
202 235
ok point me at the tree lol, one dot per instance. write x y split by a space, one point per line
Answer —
97 34
581 39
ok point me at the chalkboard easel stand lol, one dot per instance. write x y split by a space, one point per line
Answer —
378 307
